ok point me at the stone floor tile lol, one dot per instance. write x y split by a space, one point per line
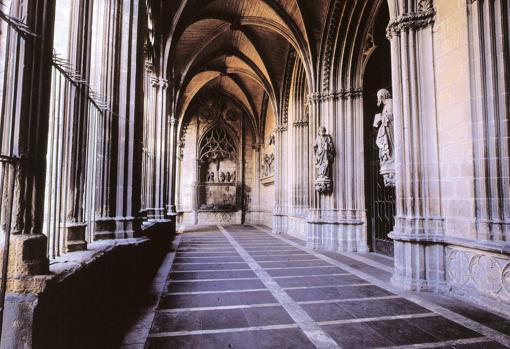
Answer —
265 316
223 319
356 336
231 340
326 312
291 338
180 342
176 321
381 307
303 271
443 329
205 267
401 332
256 297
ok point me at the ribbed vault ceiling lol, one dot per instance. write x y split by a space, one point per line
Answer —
238 46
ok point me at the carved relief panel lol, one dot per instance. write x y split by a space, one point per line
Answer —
486 272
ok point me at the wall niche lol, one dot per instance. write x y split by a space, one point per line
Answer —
218 171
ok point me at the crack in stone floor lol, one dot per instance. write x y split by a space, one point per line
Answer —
240 287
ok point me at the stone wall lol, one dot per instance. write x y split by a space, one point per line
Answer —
89 297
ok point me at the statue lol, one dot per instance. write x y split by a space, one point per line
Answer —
222 177
325 153
268 165
229 177
210 177
385 137
233 176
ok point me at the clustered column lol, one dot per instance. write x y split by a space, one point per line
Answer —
338 220
419 262
23 141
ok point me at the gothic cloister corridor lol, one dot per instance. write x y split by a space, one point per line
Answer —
254 174
239 286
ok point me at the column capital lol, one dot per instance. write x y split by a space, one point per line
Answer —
413 21
351 93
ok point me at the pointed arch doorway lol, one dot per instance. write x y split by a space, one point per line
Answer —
380 198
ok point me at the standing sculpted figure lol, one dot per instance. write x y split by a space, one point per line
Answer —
385 137
325 153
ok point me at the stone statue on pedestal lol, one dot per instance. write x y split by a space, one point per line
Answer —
385 137
325 153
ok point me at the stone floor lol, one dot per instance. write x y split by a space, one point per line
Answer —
240 287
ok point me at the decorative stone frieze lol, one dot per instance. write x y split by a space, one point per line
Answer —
300 124
412 21
487 273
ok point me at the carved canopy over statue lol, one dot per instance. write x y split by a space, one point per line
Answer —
325 153
385 137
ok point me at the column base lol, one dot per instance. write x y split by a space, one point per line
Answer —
75 237
28 256
155 213
105 229
337 236
419 265
280 224
127 227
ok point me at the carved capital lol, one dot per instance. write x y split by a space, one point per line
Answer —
300 123
281 128
411 22
149 67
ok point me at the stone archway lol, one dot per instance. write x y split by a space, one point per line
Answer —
379 174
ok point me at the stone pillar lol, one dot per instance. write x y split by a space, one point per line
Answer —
281 180
256 206
129 122
172 174
159 141
105 224
24 137
79 57
419 261
337 220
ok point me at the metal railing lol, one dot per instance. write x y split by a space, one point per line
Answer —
67 88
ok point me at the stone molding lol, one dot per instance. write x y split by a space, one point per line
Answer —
353 93
411 22
482 245
158 82
291 61
333 23
281 129
300 124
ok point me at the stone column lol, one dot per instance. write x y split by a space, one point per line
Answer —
24 137
160 127
419 260
281 180
172 174
105 223
337 220
256 206
79 57
130 114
